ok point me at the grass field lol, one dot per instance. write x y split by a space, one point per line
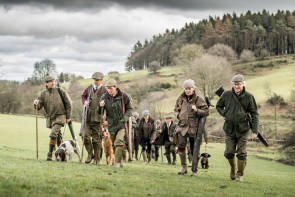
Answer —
22 175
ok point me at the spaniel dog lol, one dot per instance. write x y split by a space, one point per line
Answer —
108 148
204 160
67 148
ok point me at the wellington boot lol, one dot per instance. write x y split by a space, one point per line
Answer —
168 157
119 156
232 163
136 155
241 168
89 150
174 158
144 157
183 170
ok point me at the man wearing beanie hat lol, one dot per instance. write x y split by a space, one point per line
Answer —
189 107
234 105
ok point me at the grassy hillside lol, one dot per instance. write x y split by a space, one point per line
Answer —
22 175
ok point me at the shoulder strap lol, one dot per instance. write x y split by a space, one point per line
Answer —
244 109
62 98
123 102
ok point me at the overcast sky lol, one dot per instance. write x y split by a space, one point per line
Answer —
85 36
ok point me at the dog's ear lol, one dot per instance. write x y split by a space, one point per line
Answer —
203 155
63 156
56 154
208 155
72 143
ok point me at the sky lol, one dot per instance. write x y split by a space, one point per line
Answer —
86 36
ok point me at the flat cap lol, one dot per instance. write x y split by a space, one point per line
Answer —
111 83
97 76
49 78
238 78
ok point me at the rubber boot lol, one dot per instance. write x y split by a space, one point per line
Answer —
168 157
119 156
241 167
174 158
95 155
89 150
183 170
124 155
144 157
149 157
195 173
52 144
136 155
232 163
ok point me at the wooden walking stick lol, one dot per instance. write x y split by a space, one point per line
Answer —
37 151
99 137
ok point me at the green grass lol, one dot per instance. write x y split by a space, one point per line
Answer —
22 175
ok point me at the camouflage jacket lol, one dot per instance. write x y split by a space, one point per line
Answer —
188 118
146 134
114 110
168 133
236 122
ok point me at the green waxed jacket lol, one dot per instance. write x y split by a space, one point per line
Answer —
114 110
236 122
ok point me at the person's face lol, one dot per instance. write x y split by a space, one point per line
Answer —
50 84
189 91
147 117
97 82
238 87
168 121
112 90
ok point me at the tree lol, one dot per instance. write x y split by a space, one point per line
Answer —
275 100
210 72
223 51
154 67
247 56
188 53
42 69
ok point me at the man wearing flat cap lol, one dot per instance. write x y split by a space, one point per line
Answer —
91 128
234 105
189 108
118 109
55 112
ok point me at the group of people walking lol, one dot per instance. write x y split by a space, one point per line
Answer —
114 105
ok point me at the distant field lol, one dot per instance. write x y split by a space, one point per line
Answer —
22 175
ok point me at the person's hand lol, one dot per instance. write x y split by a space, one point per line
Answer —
68 120
36 102
105 124
86 103
152 141
101 104
194 107
254 135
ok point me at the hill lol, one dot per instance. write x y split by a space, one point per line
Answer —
22 175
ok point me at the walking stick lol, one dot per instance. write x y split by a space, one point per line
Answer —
99 137
37 151
161 154
83 134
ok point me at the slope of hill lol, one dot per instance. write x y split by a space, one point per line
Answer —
22 175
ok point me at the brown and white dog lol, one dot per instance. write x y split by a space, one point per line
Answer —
108 148
204 160
67 148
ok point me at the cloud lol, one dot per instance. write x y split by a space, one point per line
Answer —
78 42
197 5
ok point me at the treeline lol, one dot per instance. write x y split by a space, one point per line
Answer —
17 97
263 33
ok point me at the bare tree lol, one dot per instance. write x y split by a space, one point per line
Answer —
247 56
223 50
42 69
154 67
210 72
188 53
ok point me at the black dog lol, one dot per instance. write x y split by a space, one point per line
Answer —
204 160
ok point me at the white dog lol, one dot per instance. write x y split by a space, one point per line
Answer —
67 148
